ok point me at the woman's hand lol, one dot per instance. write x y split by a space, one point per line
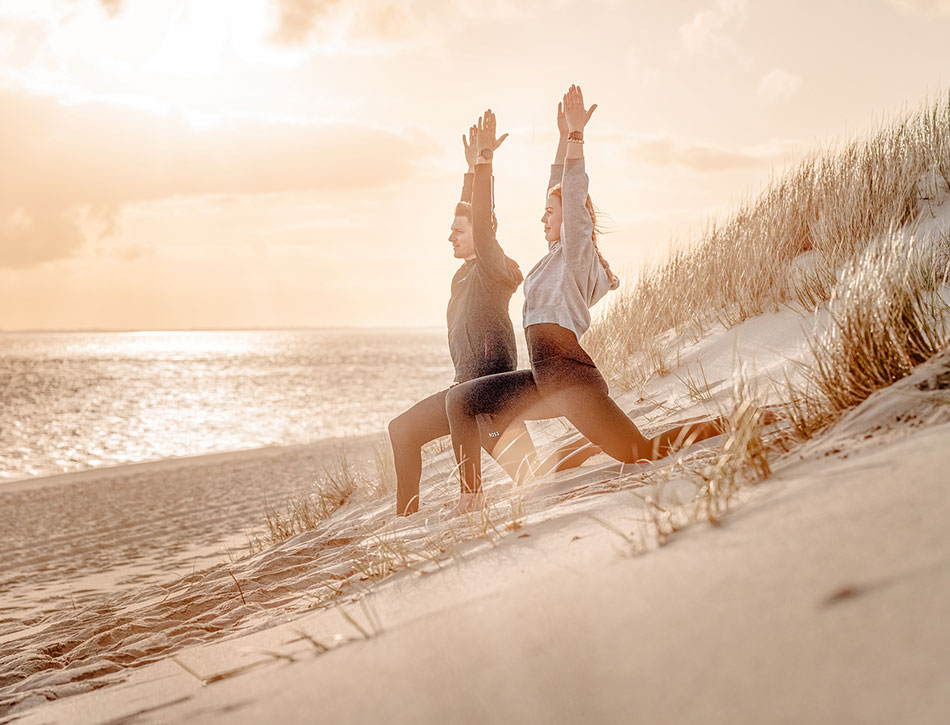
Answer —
574 112
561 120
470 145
486 133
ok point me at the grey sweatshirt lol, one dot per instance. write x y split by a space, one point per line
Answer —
569 279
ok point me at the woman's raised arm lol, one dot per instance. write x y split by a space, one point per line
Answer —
557 168
578 226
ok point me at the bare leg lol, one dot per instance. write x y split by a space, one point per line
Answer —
510 444
602 421
408 433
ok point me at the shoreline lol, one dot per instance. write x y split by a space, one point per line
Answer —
160 464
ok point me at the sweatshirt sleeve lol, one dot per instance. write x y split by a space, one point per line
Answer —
578 228
467 187
488 252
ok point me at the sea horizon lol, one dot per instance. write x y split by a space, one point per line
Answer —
275 328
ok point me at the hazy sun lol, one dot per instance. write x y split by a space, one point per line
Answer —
175 52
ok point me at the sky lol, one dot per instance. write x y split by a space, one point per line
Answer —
209 164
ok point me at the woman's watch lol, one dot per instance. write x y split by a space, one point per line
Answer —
486 154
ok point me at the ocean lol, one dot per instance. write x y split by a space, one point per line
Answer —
72 401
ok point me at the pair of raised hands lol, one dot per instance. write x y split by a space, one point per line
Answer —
572 116
481 136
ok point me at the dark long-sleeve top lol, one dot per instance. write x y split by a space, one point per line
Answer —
481 336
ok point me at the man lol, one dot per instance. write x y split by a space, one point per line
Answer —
481 342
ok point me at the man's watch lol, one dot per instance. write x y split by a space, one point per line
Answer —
486 154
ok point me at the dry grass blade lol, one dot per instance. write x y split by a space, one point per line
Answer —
240 591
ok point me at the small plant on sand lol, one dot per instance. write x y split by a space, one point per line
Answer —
743 456
697 386
340 481
383 484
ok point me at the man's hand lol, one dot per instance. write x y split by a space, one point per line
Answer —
574 112
486 133
470 145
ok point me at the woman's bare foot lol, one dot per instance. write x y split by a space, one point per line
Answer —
569 455
468 503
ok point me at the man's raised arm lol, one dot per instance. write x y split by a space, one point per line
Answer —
471 151
487 249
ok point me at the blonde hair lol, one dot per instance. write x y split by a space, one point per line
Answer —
595 231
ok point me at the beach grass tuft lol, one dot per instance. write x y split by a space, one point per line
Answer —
885 317
341 481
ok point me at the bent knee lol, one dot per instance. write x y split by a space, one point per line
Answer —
458 403
400 430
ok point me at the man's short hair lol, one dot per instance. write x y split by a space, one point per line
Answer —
463 208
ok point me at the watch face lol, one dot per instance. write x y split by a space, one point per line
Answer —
487 153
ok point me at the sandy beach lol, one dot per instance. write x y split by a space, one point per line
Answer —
820 597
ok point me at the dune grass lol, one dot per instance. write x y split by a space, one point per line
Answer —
785 247
833 238
885 317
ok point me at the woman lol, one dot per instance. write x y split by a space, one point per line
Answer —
559 291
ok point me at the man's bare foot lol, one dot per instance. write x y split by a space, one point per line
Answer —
468 503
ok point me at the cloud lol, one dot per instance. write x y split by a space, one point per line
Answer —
779 84
331 21
708 30
383 24
127 252
297 20
929 7
37 233
637 68
112 7
69 169
707 158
